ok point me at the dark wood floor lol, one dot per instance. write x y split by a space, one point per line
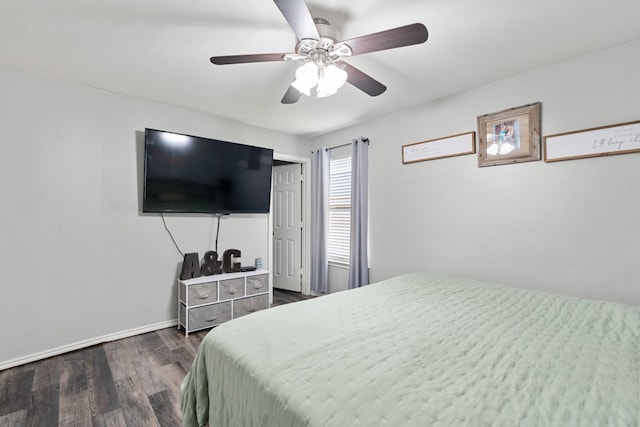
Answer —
133 382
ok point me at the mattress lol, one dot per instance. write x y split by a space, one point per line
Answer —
421 350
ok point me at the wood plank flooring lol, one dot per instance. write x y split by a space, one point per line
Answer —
133 382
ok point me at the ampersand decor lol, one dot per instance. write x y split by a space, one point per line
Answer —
210 264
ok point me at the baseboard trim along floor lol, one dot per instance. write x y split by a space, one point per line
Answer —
86 343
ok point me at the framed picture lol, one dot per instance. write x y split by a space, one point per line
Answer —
595 142
449 146
509 136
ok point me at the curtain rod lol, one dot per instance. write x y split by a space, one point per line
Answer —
366 140
337 146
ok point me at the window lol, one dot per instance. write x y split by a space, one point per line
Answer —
338 241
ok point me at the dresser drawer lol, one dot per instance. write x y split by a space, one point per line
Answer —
257 284
207 315
231 288
249 305
199 294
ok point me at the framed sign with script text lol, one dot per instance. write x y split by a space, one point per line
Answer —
601 141
450 146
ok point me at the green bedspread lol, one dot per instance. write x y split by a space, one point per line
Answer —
419 350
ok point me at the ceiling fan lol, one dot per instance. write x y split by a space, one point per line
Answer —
318 48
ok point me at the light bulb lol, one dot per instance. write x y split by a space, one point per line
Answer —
306 78
337 76
297 84
332 79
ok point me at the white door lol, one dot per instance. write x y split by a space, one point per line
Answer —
287 227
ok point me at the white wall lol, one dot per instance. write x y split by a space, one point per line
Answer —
79 260
571 227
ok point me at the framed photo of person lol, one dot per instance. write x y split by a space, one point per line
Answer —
509 136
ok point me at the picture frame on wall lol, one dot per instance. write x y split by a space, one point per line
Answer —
509 136
439 148
620 138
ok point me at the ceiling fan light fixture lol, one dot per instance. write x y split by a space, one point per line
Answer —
328 79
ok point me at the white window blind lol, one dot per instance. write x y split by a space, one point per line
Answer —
338 243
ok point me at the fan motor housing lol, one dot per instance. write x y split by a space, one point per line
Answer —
325 46
326 30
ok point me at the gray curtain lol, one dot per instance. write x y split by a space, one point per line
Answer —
319 220
358 259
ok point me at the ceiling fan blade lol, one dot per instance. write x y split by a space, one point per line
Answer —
291 96
362 81
299 18
388 39
242 59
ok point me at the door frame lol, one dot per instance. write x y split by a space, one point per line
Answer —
306 221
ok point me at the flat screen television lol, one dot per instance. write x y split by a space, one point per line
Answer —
190 174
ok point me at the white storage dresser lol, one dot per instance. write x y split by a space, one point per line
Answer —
207 301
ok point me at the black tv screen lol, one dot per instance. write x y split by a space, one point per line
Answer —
190 174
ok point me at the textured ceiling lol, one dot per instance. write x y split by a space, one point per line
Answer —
159 50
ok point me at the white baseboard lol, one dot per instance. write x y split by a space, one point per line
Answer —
87 343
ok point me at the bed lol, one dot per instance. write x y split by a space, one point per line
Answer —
421 350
